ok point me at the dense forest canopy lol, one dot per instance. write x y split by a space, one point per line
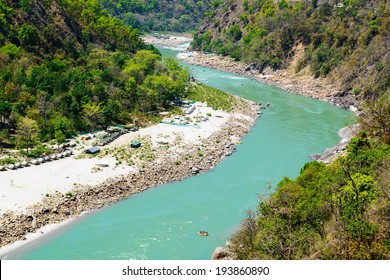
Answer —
69 66
153 15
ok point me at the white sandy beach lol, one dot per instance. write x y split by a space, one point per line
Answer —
24 187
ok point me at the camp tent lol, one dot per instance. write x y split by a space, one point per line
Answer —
93 150
135 144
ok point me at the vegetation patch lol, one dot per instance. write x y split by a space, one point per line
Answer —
214 98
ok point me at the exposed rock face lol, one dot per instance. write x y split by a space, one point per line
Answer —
60 207
220 254
223 253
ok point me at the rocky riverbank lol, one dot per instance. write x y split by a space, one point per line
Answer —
302 83
318 88
286 79
346 134
167 167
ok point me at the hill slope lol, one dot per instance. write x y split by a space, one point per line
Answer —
63 26
174 15
348 43
69 66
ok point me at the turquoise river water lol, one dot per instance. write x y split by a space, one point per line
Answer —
161 223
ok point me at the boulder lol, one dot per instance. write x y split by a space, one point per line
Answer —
221 254
194 170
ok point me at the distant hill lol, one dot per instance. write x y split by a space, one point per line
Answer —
153 15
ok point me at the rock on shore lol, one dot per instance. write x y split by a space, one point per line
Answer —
223 253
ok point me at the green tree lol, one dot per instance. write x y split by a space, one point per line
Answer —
10 49
5 111
27 132
62 124
28 36
5 139
282 4
25 4
111 112
235 32
59 136
376 120
164 88
92 114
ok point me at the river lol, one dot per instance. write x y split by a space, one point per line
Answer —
161 223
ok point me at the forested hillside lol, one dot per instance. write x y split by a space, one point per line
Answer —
69 66
154 15
347 41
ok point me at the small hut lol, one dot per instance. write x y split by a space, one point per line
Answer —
93 150
135 144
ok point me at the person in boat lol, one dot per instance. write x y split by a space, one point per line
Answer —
203 233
